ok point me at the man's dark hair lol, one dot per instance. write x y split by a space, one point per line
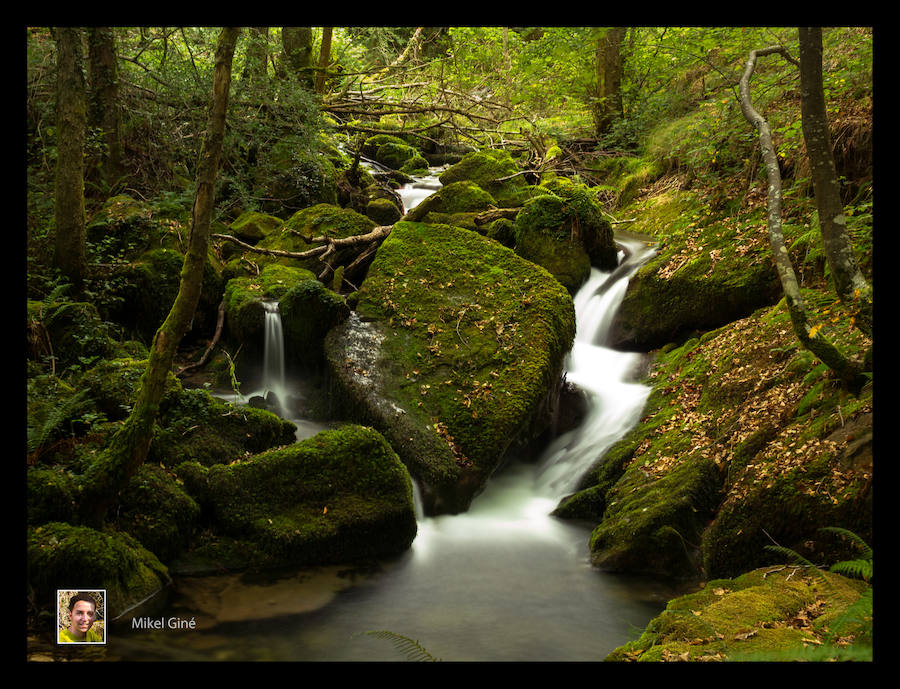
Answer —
82 596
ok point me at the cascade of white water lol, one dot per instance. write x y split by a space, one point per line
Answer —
614 401
273 352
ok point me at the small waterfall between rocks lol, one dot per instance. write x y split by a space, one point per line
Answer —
505 581
273 380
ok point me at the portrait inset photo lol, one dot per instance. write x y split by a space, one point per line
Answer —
80 616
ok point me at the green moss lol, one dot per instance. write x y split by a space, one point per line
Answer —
60 555
336 497
489 170
251 226
765 614
308 311
654 526
199 427
157 511
473 342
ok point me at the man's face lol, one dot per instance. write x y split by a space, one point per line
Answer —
82 616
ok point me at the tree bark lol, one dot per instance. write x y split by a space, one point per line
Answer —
104 98
324 59
129 446
297 44
846 370
71 119
608 104
257 54
849 283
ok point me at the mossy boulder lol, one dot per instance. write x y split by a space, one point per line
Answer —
146 289
566 236
383 210
455 354
496 172
198 427
124 228
113 385
455 204
653 526
75 331
60 556
308 311
774 614
298 232
707 273
340 496
250 227
156 510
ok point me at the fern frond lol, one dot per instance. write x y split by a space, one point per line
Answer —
792 555
855 569
42 429
408 647
865 550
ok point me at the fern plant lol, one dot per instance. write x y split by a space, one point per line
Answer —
858 568
410 648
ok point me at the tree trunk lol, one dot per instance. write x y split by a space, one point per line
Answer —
297 44
69 254
849 283
846 370
608 104
257 54
324 59
104 98
129 446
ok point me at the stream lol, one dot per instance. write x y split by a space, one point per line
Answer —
504 581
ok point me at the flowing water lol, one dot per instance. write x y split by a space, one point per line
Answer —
503 582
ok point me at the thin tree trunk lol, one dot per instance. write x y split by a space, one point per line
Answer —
71 119
324 59
129 446
849 283
608 105
816 343
104 105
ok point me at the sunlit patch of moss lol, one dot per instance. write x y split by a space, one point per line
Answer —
774 613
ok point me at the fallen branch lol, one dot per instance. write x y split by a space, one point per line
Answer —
376 235
220 321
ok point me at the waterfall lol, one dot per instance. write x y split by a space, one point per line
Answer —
273 353
614 401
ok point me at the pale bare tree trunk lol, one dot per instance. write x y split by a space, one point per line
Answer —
129 446
71 120
849 283
815 342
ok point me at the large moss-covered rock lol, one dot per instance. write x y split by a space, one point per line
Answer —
298 232
308 311
566 235
340 496
455 204
774 614
61 556
198 427
456 354
705 275
496 172
146 289
157 511
124 228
